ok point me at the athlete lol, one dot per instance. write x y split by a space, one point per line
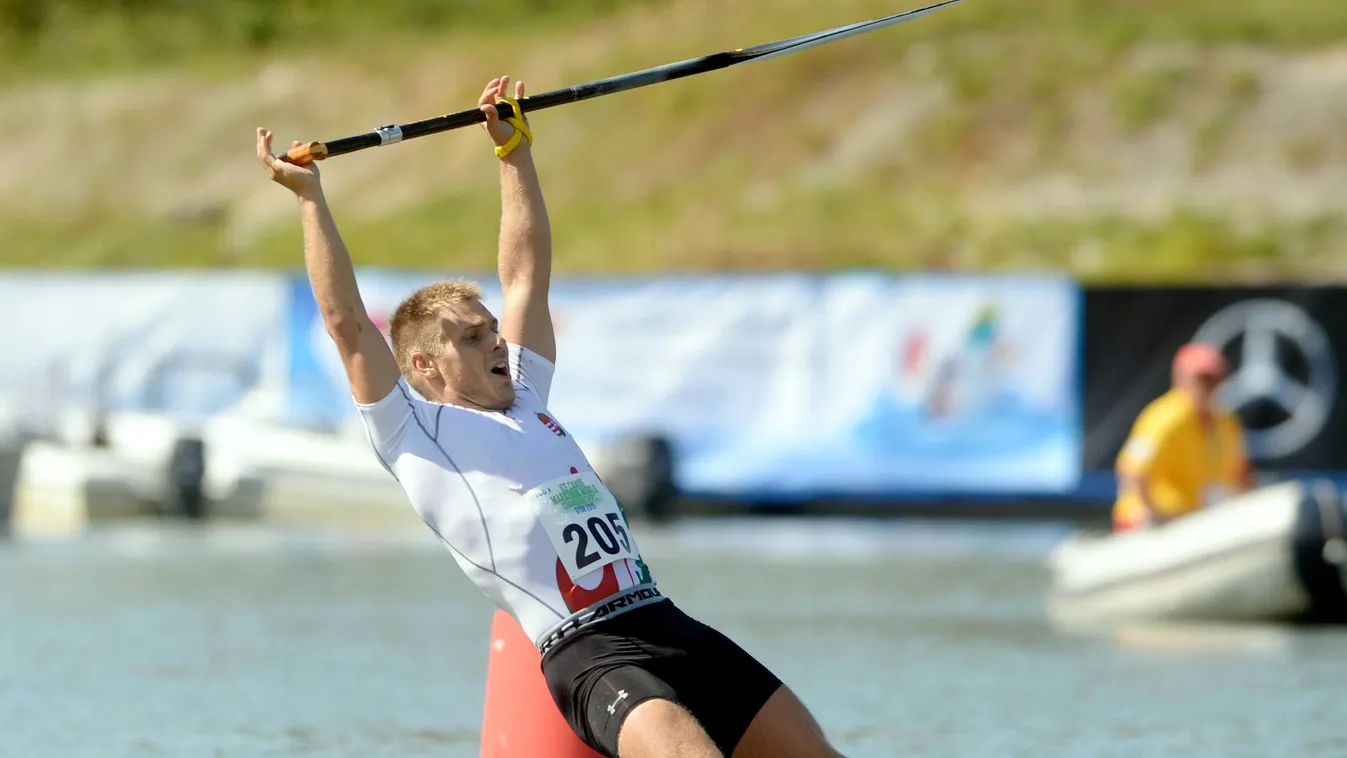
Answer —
457 413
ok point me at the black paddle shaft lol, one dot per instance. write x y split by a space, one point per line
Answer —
539 102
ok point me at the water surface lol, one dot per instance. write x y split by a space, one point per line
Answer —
905 639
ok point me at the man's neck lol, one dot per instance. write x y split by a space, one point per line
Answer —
1206 415
444 397
438 393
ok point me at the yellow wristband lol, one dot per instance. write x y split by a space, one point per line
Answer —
503 151
521 129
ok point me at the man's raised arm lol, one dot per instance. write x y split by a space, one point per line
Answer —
370 366
525 256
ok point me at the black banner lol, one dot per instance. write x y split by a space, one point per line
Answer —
1286 348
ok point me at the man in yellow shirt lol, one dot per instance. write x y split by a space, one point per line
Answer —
1184 453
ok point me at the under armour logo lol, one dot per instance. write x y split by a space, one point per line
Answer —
612 707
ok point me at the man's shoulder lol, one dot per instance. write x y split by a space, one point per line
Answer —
1164 414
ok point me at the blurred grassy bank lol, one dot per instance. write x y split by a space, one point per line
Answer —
1117 139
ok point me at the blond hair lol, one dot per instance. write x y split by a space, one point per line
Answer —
415 324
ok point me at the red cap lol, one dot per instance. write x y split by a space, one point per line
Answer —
1199 359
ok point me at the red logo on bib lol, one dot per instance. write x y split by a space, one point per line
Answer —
550 424
578 597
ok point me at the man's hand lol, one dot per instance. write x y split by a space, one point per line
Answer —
304 181
495 91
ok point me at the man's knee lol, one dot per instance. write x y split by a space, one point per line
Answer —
659 728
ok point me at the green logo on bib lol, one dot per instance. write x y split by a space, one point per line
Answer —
642 572
575 496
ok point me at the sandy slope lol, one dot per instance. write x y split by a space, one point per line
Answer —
752 161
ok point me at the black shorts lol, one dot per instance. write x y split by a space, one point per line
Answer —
598 675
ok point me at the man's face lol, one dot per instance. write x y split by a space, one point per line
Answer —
473 359
1202 389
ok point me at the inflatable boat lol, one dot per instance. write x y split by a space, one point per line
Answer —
1277 554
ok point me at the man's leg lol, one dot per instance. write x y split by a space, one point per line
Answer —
784 728
663 729
632 713
740 703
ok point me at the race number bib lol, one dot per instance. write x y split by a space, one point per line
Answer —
584 523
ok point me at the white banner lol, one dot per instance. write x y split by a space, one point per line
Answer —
708 361
192 344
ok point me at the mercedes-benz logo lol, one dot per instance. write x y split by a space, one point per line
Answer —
1284 378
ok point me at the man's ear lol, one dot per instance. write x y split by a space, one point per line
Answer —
424 366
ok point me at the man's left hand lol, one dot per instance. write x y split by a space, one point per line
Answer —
495 91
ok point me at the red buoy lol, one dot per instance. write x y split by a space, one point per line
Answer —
520 720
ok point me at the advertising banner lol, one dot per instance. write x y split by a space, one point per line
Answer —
1285 347
931 386
792 386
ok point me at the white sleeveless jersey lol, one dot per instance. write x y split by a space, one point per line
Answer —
515 501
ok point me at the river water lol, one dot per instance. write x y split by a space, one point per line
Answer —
906 639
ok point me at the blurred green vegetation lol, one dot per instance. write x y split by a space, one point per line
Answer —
452 232
1012 67
71 36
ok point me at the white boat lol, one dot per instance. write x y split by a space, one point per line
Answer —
1276 554
253 470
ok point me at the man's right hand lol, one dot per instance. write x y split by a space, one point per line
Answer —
370 366
304 180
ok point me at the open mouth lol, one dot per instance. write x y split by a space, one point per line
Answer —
500 369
